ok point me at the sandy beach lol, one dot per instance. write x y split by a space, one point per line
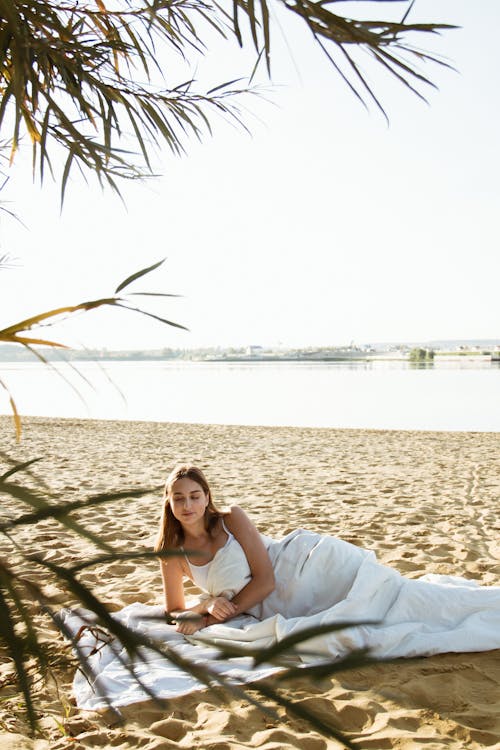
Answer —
425 502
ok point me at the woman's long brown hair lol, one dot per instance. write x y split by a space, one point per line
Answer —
171 533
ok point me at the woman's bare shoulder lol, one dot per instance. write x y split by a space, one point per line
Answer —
236 519
244 531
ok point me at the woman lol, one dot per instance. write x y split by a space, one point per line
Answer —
308 580
192 524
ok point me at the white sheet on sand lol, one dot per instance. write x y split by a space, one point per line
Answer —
319 580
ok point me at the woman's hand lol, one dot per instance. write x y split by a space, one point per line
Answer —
188 623
221 608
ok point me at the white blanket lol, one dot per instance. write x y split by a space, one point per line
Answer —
115 685
319 580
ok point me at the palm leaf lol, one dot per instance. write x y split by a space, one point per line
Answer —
102 53
301 712
81 655
151 315
286 644
32 499
121 556
153 294
60 512
15 646
132 640
31 643
13 333
286 647
15 413
138 275
28 323
17 468
14 339
354 660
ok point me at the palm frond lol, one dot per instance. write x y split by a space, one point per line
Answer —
16 647
138 275
301 712
374 37
116 635
287 645
15 334
34 500
61 511
69 72
15 414
70 75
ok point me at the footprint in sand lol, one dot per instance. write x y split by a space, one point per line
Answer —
171 729
347 718
281 738
123 569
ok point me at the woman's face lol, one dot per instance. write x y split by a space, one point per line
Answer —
187 501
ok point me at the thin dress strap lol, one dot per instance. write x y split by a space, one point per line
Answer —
230 535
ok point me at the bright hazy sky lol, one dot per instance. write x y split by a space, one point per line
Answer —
325 226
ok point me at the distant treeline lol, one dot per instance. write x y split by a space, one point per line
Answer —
421 355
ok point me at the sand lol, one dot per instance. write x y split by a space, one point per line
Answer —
426 502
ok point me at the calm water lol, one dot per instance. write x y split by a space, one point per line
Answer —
391 395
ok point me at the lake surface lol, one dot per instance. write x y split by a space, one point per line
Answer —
380 394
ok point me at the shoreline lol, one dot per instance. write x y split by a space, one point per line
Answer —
424 502
37 419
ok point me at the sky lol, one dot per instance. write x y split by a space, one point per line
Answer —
325 226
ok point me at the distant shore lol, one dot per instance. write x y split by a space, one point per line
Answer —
138 357
400 352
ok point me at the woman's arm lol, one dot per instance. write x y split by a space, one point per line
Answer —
175 603
173 585
262 582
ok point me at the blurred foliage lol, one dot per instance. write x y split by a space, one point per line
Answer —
81 79
28 610
16 333
92 77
